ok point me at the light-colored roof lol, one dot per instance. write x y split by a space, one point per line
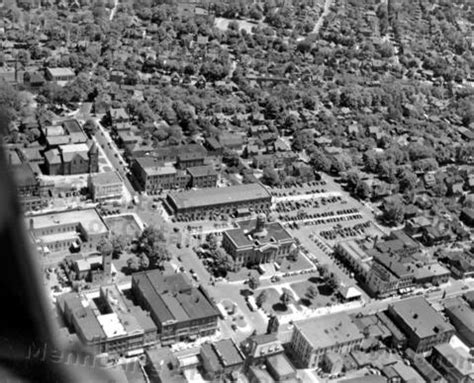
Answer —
89 219
61 72
106 178
329 330
111 325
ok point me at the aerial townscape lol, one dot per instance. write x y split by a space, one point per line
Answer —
249 190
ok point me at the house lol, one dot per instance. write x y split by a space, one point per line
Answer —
421 323
231 140
256 242
455 185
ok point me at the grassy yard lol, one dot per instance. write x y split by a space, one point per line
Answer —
321 299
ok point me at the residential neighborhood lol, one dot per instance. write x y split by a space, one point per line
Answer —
248 191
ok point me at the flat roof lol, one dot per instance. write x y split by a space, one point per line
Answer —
244 236
111 325
354 250
201 171
420 317
172 298
219 196
329 330
462 312
89 219
106 178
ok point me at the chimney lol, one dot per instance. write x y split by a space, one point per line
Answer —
32 224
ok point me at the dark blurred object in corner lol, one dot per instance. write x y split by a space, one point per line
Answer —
29 349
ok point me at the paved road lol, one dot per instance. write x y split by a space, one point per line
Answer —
114 156
455 288
114 10
319 23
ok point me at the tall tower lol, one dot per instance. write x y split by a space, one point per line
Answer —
93 155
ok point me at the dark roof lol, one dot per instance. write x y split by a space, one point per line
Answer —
24 175
171 297
420 317
219 196
202 171
244 236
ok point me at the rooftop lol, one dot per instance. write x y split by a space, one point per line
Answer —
246 235
89 219
61 72
106 178
111 325
219 196
420 317
329 330
462 358
202 171
171 297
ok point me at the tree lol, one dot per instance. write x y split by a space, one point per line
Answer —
270 176
363 190
144 262
320 161
254 282
408 180
118 245
285 298
90 127
223 262
311 292
370 161
159 255
332 282
212 242
261 298
105 247
133 264
394 211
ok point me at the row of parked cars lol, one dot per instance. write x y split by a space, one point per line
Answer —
345 232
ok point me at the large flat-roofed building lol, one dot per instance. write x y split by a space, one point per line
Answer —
313 338
105 186
219 200
109 323
59 232
257 241
180 310
421 323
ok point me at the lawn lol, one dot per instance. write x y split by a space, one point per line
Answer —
124 225
321 299
301 263
272 303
